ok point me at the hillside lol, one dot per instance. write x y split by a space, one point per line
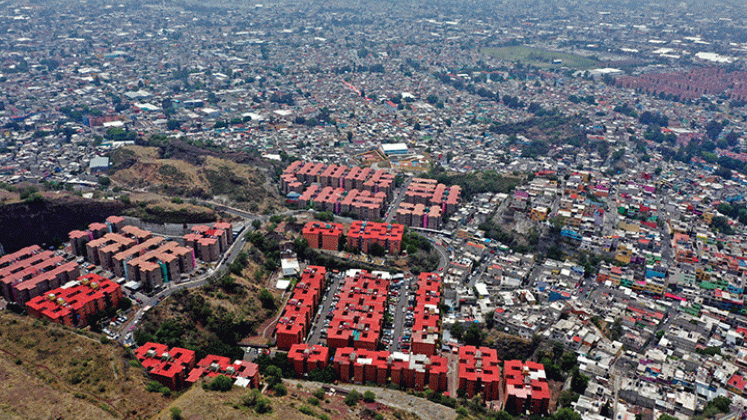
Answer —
51 372
206 177
198 404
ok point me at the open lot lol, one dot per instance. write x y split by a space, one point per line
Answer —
539 57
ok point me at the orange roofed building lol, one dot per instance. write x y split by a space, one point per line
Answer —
479 372
245 374
167 366
525 388
295 321
358 316
362 235
323 235
306 358
73 306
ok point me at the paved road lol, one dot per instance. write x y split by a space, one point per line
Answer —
399 195
219 270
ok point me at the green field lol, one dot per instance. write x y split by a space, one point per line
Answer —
540 58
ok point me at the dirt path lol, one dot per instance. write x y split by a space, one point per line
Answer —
420 406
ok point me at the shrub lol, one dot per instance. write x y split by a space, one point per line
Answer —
305 409
134 363
313 401
176 413
280 390
369 397
352 398
319 393
153 386
221 383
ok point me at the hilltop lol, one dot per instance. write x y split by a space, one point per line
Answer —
204 176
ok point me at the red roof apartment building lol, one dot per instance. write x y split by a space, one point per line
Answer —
167 366
212 366
209 243
525 388
72 306
479 372
322 235
362 235
426 318
359 313
306 358
31 272
295 321
382 367
430 193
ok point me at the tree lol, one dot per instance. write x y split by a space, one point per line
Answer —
369 397
719 403
266 298
566 414
377 250
606 410
567 398
457 330
352 398
579 382
221 383
473 336
568 361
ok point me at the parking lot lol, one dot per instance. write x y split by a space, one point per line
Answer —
397 328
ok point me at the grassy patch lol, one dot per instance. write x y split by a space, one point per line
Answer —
539 57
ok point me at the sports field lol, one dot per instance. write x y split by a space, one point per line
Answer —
541 58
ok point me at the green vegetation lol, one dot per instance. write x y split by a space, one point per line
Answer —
219 330
220 383
716 406
539 57
256 401
474 182
709 351
352 398
369 396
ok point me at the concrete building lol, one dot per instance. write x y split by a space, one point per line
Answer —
295 320
362 235
306 358
169 367
74 305
322 235
479 372
525 388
